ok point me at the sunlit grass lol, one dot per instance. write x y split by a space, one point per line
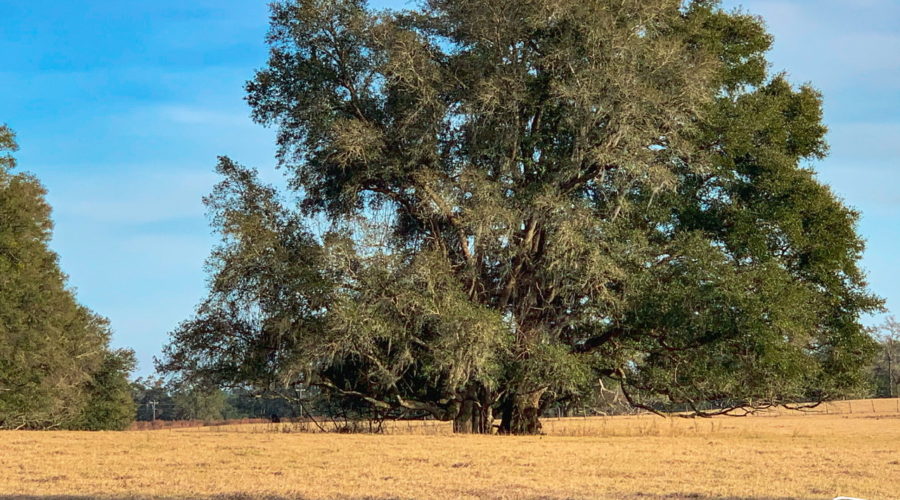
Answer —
780 454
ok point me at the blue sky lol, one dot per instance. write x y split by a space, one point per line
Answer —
121 108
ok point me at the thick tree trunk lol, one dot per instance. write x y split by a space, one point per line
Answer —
521 414
475 416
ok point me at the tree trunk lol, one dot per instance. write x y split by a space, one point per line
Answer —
890 360
521 414
475 416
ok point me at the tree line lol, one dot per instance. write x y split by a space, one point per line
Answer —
157 400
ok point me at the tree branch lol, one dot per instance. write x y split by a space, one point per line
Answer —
595 343
452 218
433 409
589 174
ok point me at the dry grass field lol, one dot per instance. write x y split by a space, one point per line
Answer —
781 455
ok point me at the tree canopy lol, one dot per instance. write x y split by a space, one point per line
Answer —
521 199
56 368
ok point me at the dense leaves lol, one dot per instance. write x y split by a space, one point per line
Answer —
56 369
518 200
109 404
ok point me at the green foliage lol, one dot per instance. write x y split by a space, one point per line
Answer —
51 347
200 404
523 199
267 293
110 405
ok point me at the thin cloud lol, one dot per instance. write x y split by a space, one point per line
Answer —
193 115
834 44
131 195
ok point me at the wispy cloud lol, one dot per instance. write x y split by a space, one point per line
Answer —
834 43
133 195
193 115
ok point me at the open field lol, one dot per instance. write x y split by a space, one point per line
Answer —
777 455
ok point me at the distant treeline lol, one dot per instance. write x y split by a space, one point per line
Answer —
156 400
886 372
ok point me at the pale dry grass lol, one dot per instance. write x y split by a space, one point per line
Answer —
778 455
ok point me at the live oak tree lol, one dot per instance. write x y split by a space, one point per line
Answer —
523 199
56 369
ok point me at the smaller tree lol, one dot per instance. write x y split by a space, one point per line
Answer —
110 405
200 403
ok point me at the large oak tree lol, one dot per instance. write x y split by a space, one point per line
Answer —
524 198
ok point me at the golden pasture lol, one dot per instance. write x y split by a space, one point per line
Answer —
778 455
